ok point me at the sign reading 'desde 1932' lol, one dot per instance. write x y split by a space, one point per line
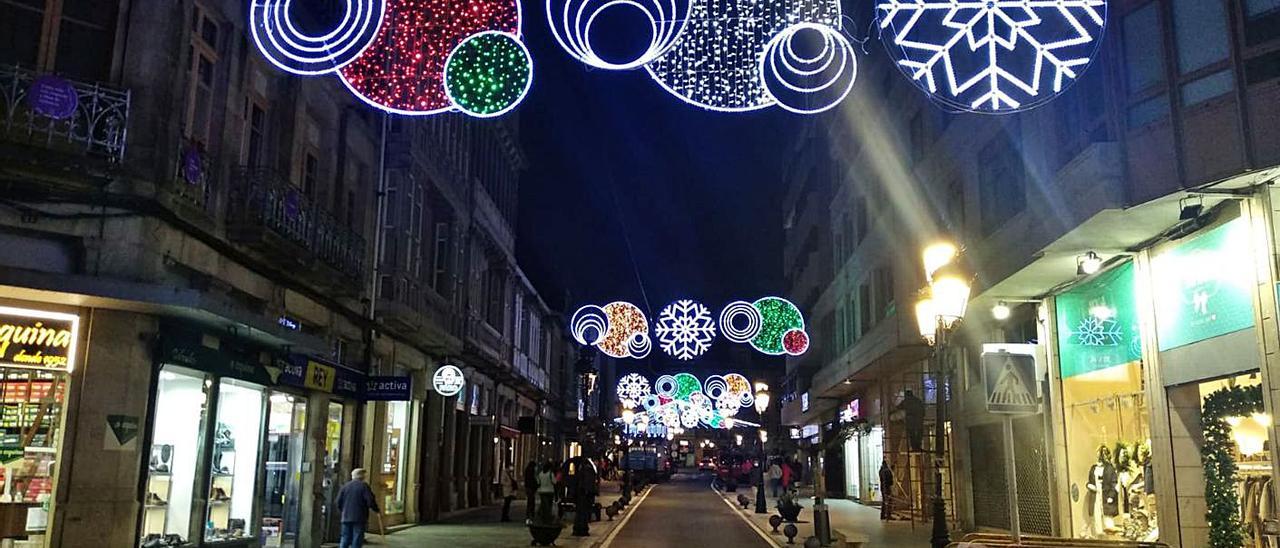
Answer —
38 339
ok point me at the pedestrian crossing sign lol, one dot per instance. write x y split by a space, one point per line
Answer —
1010 382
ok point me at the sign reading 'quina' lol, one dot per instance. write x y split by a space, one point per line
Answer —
37 339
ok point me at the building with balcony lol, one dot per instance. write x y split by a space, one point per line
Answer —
1111 222
238 284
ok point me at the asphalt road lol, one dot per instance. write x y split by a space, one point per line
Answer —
685 512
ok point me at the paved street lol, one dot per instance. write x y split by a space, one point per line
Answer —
685 512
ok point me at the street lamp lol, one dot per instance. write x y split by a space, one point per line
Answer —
628 418
940 309
762 403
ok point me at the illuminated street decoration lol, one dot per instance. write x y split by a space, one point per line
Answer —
488 73
633 388
294 51
685 329
682 401
571 22
808 84
740 331
409 57
780 320
619 329
992 55
715 61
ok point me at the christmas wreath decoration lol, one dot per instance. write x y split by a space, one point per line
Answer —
1223 508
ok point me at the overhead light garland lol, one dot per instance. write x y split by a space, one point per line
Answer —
992 56
686 329
409 57
571 22
682 401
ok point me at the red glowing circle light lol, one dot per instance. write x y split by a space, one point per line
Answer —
795 342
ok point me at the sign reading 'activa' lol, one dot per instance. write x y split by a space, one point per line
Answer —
37 339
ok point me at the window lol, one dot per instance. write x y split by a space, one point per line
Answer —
255 138
866 318
181 395
200 79
310 174
86 38
1200 31
1214 85
860 220
233 474
1149 111
1143 48
1262 21
1001 183
884 292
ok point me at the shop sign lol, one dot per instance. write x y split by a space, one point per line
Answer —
1009 380
1098 324
809 431
804 402
1204 288
795 433
124 430
388 388
288 323
33 338
304 372
448 380
177 349
852 411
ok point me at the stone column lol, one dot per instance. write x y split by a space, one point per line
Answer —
429 467
448 496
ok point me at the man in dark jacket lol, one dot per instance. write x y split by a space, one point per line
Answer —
355 499
530 489
886 490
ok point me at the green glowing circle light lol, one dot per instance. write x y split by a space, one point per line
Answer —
488 73
778 316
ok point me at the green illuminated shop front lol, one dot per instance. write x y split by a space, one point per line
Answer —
1142 353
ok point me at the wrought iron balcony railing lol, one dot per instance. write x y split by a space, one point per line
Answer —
55 112
261 198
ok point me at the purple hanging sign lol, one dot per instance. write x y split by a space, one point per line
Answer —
52 97
192 164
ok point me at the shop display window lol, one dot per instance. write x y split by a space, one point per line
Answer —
181 399
393 457
31 403
233 463
333 477
286 440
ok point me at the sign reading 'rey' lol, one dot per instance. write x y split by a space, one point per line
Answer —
38 339
447 380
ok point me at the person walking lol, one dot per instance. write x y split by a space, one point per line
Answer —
355 500
775 477
786 475
509 489
546 492
530 489
886 490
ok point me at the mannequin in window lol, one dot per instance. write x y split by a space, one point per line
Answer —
1100 503
1126 474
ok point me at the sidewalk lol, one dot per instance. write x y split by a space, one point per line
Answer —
480 528
850 519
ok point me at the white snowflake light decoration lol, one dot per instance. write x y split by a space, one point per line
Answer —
993 56
685 329
633 388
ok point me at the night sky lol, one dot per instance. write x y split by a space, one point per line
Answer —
632 194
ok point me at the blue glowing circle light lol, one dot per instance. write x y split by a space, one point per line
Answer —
571 26
808 84
292 50
992 56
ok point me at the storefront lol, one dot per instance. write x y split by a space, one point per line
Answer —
230 457
38 352
394 415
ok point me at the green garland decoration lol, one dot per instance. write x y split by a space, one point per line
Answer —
1223 513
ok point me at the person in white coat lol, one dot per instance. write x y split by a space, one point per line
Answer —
509 489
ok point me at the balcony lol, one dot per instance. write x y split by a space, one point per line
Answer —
408 305
60 114
267 213
484 341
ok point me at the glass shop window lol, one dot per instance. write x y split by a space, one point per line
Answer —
234 465
181 403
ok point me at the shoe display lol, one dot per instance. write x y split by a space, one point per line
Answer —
219 495
155 500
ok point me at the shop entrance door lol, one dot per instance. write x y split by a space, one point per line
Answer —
872 447
852 469
286 441
333 477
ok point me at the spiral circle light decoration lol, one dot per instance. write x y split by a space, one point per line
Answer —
808 84
715 386
729 326
666 385
588 325
292 50
681 400
571 26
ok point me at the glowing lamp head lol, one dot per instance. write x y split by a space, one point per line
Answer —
1087 264
949 291
1001 311
927 318
938 255
738 437
628 416
764 436
762 398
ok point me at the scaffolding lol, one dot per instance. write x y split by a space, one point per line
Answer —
914 480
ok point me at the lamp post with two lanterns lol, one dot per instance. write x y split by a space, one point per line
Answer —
762 404
628 419
938 313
